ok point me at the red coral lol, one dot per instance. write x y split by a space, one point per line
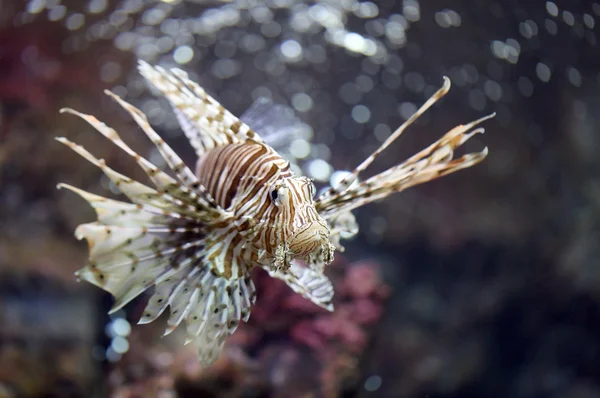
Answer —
306 333
290 318
365 311
361 280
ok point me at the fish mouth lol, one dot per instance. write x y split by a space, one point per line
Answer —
310 241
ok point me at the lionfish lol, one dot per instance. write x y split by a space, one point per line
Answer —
196 236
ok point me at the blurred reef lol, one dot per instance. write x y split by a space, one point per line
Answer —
485 283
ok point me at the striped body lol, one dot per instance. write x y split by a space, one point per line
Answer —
273 212
196 236
228 170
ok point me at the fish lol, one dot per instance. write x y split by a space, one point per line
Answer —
197 235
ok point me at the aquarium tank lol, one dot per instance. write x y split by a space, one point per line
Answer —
327 198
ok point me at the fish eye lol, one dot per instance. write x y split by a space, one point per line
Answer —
274 194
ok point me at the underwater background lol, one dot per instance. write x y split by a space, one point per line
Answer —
484 283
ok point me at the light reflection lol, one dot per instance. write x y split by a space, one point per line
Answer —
543 72
291 50
302 102
448 18
319 169
361 114
183 55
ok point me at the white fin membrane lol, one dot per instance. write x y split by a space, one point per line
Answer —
162 239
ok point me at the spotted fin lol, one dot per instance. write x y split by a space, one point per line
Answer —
168 237
212 307
188 188
132 247
310 284
433 162
205 122
223 305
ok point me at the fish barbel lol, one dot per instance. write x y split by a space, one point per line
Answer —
197 236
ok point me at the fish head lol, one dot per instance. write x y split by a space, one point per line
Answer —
307 234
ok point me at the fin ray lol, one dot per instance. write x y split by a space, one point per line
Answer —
205 122
310 284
